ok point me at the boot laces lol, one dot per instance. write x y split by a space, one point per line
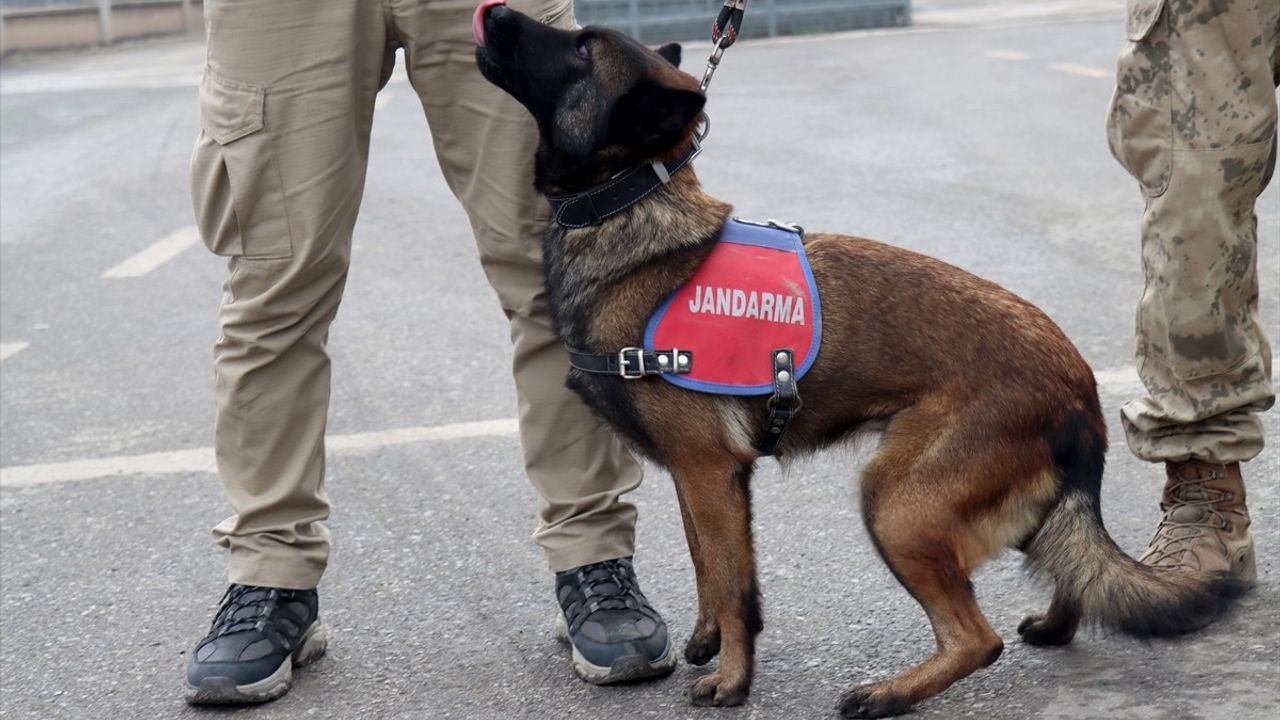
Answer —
1191 514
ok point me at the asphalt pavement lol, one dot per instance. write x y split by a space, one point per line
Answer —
978 141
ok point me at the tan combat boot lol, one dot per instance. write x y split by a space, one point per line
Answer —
1206 524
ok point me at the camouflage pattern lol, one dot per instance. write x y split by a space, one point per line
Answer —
1193 119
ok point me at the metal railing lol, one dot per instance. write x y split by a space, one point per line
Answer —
37 24
48 24
655 21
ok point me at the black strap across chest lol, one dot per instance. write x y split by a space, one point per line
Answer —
591 207
633 363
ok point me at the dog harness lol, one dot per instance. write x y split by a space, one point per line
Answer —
748 322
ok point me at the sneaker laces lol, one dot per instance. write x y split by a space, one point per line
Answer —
245 607
1191 514
607 586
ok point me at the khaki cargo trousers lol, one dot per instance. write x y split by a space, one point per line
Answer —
1193 119
277 174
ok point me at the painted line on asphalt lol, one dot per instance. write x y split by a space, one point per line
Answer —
1120 376
159 253
48 82
1084 71
1007 55
383 98
9 349
197 460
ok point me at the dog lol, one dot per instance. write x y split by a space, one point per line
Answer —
992 436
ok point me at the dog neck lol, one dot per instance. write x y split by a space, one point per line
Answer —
622 190
604 281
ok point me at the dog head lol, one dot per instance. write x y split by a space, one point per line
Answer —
602 101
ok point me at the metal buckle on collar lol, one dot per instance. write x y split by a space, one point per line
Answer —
623 362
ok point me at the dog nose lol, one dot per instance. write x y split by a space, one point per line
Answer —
477 20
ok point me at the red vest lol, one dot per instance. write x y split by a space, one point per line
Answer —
753 295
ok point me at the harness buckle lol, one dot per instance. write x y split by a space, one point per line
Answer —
623 362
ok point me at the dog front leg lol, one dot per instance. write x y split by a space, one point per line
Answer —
717 494
704 642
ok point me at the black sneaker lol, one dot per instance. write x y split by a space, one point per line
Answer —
257 638
615 633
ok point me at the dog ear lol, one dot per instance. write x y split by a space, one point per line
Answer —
652 116
671 52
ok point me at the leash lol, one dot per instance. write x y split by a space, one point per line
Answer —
724 33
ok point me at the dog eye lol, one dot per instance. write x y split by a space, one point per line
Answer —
584 50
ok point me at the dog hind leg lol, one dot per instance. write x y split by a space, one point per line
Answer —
1056 627
912 492
929 567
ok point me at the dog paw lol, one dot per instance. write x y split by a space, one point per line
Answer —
1040 630
870 701
720 691
702 648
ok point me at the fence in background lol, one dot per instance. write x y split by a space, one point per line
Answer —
50 24
657 21
47 24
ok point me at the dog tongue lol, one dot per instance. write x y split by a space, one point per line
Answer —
477 20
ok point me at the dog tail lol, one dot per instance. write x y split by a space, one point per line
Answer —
1093 575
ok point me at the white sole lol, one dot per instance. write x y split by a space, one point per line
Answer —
224 691
623 669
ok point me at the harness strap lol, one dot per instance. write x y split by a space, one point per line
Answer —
632 363
784 404
593 206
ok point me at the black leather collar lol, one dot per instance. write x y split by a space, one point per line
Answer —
591 207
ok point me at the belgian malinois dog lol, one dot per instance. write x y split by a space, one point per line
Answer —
992 434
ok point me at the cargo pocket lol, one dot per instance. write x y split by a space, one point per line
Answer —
1140 119
1197 314
235 179
1140 17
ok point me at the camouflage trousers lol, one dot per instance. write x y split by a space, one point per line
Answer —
1193 119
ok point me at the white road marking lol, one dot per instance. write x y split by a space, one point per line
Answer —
198 460
160 252
9 349
1119 376
1007 55
1084 70
383 98
997 13
201 459
45 82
